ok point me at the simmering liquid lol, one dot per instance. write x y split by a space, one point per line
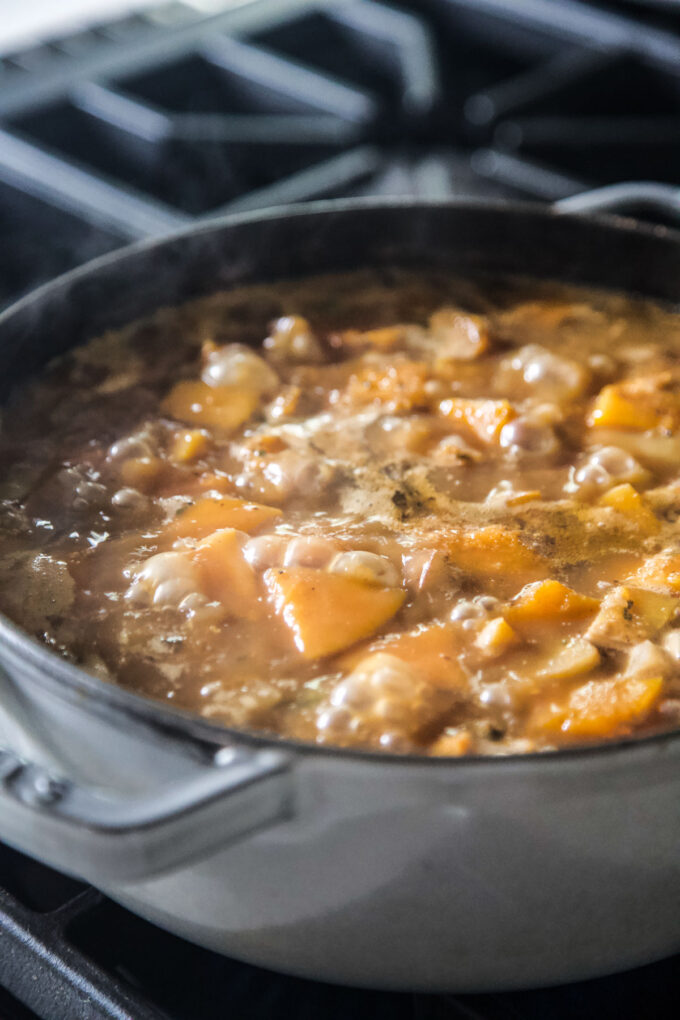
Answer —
384 510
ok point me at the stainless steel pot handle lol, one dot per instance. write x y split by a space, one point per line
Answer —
113 838
636 195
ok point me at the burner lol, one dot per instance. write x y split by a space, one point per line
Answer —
136 128
142 126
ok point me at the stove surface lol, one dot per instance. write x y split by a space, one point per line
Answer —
137 127
154 121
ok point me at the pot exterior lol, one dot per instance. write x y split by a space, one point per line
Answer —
429 876
405 875
473 878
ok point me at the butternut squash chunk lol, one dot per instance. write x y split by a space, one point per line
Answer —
639 404
494 552
222 407
432 650
227 576
660 573
486 418
630 503
612 410
496 637
188 445
400 386
383 337
328 612
547 602
601 709
453 744
207 515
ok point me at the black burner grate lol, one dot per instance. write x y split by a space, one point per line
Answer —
136 128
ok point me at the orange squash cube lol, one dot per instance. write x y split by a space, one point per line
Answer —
328 612
432 650
227 576
630 503
399 386
547 602
613 410
208 514
188 445
601 708
486 418
222 407
496 637
494 552
660 573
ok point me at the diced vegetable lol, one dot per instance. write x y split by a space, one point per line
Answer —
547 602
660 573
496 637
574 659
142 472
486 418
648 659
222 407
399 386
433 650
384 337
227 576
207 515
188 445
630 503
494 552
629 615
452 744
328 612
612 410
601 708
640 403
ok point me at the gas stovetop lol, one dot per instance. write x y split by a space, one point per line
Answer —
139 127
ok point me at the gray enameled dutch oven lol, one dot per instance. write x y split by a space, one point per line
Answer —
361 868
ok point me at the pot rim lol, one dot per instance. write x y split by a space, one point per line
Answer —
166 721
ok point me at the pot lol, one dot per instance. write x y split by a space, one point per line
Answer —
368 869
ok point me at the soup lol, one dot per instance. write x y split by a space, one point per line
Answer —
386 510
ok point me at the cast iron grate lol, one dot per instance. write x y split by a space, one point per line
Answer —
136 128
139 127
